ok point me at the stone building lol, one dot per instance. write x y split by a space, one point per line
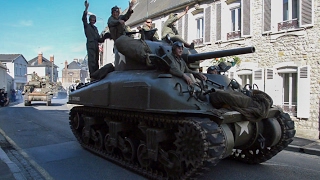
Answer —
75 72
283 32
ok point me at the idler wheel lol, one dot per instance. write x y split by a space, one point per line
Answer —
129 149
142 154
85 136
99 143
108 144
175 171
77 122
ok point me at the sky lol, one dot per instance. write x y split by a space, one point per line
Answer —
53 27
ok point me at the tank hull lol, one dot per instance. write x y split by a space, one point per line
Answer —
147 119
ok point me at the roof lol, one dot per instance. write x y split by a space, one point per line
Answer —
10 57
74 65
154 8
45 62
2 66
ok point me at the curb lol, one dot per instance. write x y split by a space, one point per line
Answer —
305 150
15 170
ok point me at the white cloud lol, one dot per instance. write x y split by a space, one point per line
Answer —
81 47
26 23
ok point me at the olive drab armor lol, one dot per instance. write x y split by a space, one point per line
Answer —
155 124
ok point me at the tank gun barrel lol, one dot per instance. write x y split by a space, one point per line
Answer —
217 54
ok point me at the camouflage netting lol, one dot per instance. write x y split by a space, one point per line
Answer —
132 48
254 108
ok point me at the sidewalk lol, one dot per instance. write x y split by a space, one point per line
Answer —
10 171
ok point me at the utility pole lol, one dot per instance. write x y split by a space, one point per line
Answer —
51 59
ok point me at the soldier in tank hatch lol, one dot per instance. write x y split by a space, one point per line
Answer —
169 28
116 22
178 66
93 38
147 26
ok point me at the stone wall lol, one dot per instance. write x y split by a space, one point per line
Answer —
300 47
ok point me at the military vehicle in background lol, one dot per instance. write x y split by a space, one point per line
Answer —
154 123
59 91
37 89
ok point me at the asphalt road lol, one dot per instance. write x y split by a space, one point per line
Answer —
46 149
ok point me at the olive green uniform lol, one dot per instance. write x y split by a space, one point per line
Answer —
115 27
93 38
178 66
170 29
155 36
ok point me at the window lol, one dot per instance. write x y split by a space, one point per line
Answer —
287 15
200 26
245 79
290 9
289 92
236 19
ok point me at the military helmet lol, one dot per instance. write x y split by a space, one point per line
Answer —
115 8
177 44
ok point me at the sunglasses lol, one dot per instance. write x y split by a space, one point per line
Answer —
148 22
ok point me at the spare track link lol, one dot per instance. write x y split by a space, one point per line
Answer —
212 136
251 156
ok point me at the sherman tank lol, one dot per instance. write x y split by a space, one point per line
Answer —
153 123
37 89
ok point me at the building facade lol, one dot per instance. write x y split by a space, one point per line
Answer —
75 72
43 67
16 66
283 32
3 77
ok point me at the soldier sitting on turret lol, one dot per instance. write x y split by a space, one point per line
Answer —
170 29
178 66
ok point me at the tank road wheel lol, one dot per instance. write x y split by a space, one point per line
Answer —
108 144
77 122
85 136
190 145
27 103
142 154
99 143
129 149
256 155
176 170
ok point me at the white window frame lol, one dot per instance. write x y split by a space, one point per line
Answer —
235 26
200 27
291 89
290 10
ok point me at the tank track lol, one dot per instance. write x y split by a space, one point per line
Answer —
258 155
208 135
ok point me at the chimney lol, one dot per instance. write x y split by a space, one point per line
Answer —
66 65
52 58
39 58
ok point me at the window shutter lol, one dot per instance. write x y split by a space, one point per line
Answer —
186 27
207 25
266 15
258 79
303 92
180 26
218 22
306 13
273 86
245 18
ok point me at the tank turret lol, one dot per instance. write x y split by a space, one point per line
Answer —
155 124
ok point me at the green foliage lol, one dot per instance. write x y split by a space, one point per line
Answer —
234 60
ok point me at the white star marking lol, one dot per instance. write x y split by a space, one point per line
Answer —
122 58
244 127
